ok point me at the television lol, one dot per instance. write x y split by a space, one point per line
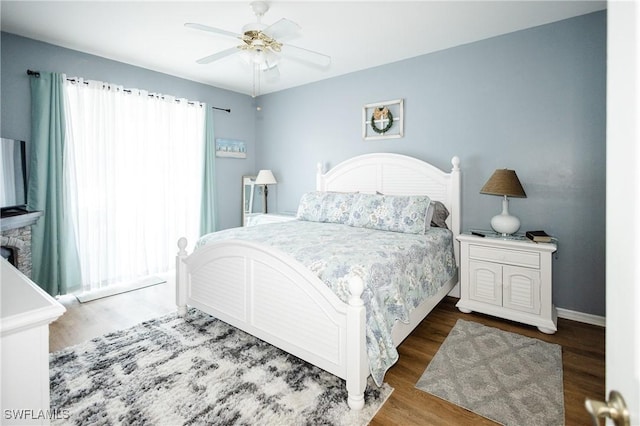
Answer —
13 183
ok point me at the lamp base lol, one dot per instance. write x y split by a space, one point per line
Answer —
266 196
504 223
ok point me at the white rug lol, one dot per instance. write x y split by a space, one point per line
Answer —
196 371
506 377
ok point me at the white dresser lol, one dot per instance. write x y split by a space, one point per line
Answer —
509 279
26 314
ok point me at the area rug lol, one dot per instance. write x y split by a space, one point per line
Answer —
505 377
196 370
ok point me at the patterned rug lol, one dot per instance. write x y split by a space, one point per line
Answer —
196 370
505 377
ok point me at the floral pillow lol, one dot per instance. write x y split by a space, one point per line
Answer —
333 207
397 213
337 207
310 207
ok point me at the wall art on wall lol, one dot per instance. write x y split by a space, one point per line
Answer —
383 120
230 148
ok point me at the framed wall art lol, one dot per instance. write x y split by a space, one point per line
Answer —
383 120
230 148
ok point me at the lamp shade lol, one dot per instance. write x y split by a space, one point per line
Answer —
265 177
504 182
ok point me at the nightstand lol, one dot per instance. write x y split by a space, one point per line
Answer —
262 218
508 278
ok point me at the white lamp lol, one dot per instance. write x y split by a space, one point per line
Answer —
504 182
265 177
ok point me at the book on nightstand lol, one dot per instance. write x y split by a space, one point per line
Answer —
538 236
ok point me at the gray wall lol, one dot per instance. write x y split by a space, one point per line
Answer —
19 54
533 101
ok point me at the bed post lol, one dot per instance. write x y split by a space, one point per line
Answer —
455 202
357 359
181 277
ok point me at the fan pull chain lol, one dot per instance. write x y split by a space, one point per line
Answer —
256 80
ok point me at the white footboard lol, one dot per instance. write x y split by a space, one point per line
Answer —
275 298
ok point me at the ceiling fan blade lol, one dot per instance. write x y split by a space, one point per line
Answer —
283 29
211 30
308 56
217 56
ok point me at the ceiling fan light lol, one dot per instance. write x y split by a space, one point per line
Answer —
260 46
267 66
259 57
247 56
270 59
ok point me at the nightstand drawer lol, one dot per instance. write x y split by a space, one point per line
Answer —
512 257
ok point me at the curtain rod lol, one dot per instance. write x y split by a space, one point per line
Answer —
36 74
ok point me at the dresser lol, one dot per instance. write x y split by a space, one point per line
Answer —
508 278
26 314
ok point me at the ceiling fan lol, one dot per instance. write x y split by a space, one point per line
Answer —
262 45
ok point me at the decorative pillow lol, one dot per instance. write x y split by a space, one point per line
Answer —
336 207
440 214
333 207
310 207
430 211
395 213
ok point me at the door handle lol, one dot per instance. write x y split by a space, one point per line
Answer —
615 408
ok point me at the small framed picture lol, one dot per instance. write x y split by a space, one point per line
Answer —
383 120
230 148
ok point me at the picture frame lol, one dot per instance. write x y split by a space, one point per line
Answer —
376 118
230 148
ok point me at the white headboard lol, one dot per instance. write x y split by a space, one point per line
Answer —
396 174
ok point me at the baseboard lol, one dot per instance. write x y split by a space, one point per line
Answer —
119 288
581 317
562 313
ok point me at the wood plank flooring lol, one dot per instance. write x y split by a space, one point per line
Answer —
583 353
84 321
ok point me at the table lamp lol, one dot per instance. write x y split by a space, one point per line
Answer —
265 177
504 182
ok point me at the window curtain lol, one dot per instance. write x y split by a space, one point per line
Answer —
208 215
137 175
55 263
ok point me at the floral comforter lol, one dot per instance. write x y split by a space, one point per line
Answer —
399 270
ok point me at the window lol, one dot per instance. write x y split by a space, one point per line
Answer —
133 164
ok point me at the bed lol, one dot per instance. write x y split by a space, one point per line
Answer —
261 288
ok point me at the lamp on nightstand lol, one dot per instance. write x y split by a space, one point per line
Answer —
265 177
504 182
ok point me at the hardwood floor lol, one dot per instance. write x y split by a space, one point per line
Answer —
583 353
84 321
583 356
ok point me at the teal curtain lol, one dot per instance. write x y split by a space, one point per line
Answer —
208 209
56 267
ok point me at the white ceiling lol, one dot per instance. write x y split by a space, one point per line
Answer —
356 34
